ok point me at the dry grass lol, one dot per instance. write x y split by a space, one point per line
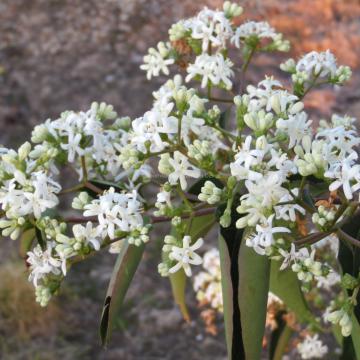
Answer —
20 316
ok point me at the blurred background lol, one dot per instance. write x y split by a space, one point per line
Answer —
58 55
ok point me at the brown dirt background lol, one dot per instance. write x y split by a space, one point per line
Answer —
64 54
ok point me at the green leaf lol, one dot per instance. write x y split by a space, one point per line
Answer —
349 259
178 286
229 246
276 335
40 238
282 343
286 286
123 272
355 336
254 274
227 292
26 241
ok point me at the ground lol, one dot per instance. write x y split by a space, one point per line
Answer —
64 54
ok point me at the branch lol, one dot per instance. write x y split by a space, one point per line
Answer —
154 219
215 99
312 238
202 212
344 236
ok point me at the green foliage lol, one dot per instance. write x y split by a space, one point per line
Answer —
123 272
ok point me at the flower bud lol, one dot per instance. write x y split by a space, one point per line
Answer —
24 151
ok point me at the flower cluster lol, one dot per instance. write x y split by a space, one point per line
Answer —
312 348
207 283
288 186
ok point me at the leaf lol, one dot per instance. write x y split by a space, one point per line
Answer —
229 246
200 226
349 259
276 334
286 286
40 238
227 292
178 286
282 342
26 241
123 272
254 274
355 336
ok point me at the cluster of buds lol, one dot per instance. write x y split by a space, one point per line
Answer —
259 121
324 217
342 317
139 236
310 159
232 10
129 157
210 193
307 269
199 150
42 295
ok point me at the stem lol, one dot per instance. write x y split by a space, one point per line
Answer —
202 212
212 98
283 342
312 239
302 185
226 133
83 165
80 219
247 62
92 187
354 296
154 219
72 189
179 129
302 203
79 258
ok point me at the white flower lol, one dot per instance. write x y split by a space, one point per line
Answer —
42 263
295 127
147 129
87 234
267 95
264 236
321 64
156 61
210 27
181 168
288 211
347 176
261 29
292 256
37 195
73 146
245 158
213 68
312 348
44 195
115 211
185 255
340 142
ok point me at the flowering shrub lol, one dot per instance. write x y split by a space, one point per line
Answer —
281 192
